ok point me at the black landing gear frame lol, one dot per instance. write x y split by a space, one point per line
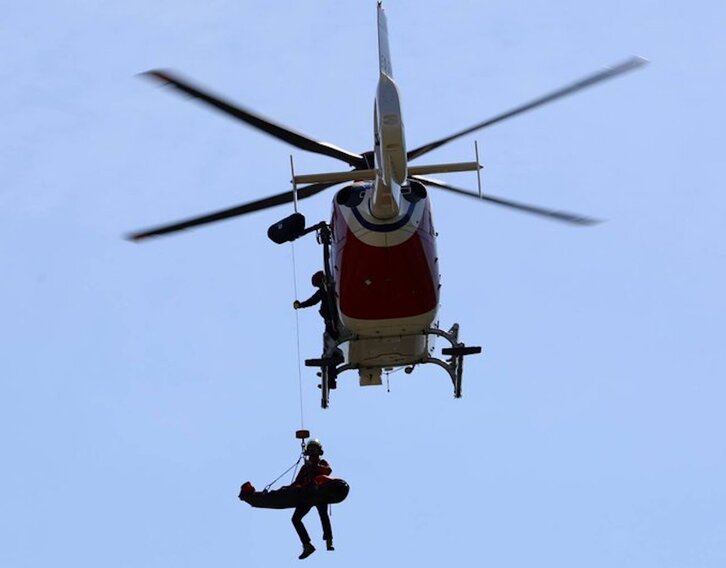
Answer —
454 365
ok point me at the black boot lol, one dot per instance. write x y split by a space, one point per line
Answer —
308 549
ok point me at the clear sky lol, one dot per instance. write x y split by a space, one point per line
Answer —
142 384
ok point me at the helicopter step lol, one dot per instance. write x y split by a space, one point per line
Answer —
323 362
461 351
335 358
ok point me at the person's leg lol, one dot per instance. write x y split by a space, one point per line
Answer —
297 522
297 518
327 528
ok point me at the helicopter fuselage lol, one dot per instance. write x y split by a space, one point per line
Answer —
386 275
384 262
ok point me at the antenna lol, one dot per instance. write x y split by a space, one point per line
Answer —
479 167
294 184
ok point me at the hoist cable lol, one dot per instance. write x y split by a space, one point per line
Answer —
297 333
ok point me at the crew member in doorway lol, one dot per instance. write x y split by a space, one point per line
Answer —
320 296
312 468
331 333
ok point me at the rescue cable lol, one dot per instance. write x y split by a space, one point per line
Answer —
301 434
297 334
297 318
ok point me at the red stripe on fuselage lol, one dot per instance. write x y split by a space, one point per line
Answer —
386 282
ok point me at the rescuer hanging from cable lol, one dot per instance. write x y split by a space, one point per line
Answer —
312 487
313 467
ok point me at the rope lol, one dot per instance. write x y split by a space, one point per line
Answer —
297 330
267 487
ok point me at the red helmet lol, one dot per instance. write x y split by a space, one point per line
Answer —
318 278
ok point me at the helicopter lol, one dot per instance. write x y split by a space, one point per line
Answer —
381 275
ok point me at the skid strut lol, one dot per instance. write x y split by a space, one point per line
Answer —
325 364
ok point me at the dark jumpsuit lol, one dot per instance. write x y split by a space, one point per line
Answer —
305 478
321 297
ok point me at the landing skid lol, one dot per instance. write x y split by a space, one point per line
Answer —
454 365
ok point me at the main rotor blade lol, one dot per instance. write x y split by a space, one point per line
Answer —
258 205
278 131
563 216
608 73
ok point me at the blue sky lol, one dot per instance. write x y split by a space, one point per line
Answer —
143 383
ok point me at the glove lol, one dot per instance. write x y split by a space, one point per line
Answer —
296 305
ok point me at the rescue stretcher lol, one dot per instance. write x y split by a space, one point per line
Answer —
323 491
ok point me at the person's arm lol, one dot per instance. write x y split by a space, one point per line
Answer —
324 468
312 300
301 476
